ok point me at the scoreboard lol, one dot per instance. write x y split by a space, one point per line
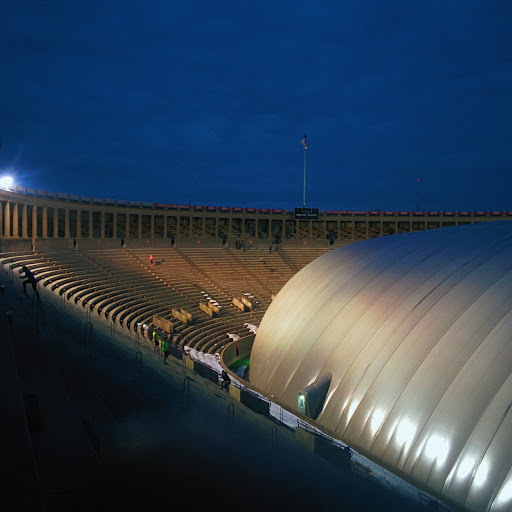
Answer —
306 213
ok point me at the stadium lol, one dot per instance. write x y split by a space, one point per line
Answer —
381 336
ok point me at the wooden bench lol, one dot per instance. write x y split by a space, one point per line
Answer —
183 316
210 309
164 325
239 304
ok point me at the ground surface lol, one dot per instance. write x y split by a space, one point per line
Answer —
116 434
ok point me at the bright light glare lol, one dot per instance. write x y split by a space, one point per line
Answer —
377 418
481 474
352 410
465 467
405 432
506 493
6 182
437 448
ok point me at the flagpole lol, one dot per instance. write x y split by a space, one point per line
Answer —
304 193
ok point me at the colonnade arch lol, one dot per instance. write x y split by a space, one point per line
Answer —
36 215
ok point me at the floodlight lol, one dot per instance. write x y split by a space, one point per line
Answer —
6 182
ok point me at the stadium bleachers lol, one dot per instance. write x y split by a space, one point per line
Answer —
122 287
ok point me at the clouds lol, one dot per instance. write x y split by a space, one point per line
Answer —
384 90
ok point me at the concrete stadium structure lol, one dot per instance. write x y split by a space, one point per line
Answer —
55 220
424 294
403 347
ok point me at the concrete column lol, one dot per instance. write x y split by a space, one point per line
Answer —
140 227
283 230
34 222
15 224
229 228
24 221
55 223
152 227
114 225
7 220
102 224
178 227
165 226
353 226
367 228
127 229
45 222
204 226
66 223
79 223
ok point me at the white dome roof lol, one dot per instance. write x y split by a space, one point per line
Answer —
416 330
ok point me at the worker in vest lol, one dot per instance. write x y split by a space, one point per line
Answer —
165 349
155 339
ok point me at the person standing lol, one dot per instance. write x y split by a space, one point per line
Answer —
165 349
155 340
151 259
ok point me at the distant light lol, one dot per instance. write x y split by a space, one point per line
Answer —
6 182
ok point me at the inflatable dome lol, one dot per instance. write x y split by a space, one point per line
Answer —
404 344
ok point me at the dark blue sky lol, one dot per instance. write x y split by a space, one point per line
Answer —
206 102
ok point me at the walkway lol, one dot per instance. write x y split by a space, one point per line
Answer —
97 435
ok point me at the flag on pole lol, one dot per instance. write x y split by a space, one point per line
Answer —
304 142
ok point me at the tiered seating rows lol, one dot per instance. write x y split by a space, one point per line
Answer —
121 285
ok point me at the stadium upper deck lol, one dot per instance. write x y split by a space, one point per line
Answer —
59 219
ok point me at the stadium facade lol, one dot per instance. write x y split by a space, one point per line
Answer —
58 219
403 347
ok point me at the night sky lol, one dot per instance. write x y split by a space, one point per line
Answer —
206 102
